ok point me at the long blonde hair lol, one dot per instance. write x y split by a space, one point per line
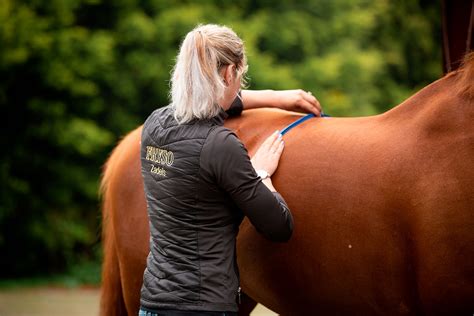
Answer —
196 84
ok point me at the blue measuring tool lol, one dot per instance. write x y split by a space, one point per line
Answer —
299 121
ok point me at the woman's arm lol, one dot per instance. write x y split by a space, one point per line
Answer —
225 161
292 100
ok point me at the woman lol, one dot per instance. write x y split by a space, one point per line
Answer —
199 181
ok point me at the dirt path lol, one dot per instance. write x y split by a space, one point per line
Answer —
50 301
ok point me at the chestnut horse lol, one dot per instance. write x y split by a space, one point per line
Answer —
383 209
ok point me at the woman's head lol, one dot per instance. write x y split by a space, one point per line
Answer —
210 61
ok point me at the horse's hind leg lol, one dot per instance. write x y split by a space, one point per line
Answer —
111 301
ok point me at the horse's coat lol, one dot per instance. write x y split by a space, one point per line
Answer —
383 209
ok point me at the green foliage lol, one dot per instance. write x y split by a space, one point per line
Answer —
77 275
78 74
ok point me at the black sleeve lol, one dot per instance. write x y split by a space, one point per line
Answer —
226 159
237 106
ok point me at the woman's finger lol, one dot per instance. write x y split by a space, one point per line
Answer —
308 96
267 144
270 139
280 147
276 141
310 103
306 107
309 108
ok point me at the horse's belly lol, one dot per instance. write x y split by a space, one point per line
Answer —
445 252
382 260
326 272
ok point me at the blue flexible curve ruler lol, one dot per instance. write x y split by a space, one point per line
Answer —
299 121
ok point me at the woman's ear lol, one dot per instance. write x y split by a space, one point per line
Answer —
229 74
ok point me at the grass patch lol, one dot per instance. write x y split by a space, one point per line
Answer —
83 274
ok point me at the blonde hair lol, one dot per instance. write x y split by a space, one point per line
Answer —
196 84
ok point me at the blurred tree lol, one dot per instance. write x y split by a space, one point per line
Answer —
78 74
51 93
409 40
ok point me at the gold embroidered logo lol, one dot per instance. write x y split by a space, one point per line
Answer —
157 170
160 156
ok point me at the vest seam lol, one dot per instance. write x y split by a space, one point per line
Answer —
196 198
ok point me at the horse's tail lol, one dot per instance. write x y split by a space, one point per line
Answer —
112 301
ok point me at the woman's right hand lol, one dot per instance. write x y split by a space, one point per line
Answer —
268 154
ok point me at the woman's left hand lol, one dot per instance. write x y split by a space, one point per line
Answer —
291 100
298 100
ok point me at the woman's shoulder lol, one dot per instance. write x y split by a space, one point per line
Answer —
223 150
162 116
222 139
222 134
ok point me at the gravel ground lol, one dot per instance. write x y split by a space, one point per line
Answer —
50 301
